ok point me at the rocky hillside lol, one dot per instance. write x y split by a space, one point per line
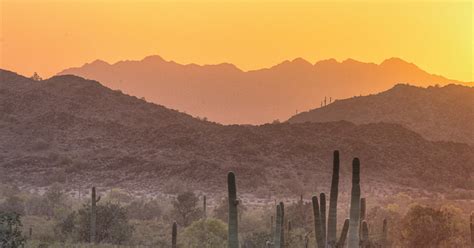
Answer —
228 95
438 113
75 131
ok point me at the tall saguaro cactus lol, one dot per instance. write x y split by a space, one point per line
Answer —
282 228
233 240
332 217
279 225
94 201
353 241
318 232
174 235
322 210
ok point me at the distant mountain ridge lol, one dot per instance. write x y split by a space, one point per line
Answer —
77 132
438 113
228 95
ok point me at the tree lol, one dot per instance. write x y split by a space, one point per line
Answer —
36 77
429 227
10 230
186 209
209 233
112 224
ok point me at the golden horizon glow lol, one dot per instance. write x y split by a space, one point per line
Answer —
50 36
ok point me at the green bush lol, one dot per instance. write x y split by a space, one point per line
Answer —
10 230
210 233
112 224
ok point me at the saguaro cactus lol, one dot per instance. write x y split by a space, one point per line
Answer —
278 226
332 217
204 207
318 232
174 235
322 210
342 240
353 241
282 228
384 233
472 230
94 200
233 241
361 216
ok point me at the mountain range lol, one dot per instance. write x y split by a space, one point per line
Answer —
75 131
437 113
223 93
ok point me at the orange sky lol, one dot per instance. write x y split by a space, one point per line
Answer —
48 36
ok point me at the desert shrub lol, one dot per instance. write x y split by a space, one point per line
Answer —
144 210
119 196
13 204
36 205
428 227
112 224
10 230
186 209
211 233
257 240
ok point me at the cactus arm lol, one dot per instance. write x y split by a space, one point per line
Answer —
342 239
365 235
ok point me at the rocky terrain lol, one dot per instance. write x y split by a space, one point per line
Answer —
228 95
74 131
437 113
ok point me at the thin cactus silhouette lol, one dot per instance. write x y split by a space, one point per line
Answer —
233 241
353 240
279 220
174 235
317 222
94 201
332 217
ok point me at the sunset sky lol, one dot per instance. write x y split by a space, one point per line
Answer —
48 36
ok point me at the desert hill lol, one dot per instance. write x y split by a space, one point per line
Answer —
438 113
228 95
75 131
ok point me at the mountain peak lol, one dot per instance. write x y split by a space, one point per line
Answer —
98 62
152 59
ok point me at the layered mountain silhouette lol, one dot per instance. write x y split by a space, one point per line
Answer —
438 113
70 130
228 95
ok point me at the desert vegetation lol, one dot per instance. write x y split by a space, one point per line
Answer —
114 217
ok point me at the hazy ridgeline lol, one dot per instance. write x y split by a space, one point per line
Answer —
189 219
